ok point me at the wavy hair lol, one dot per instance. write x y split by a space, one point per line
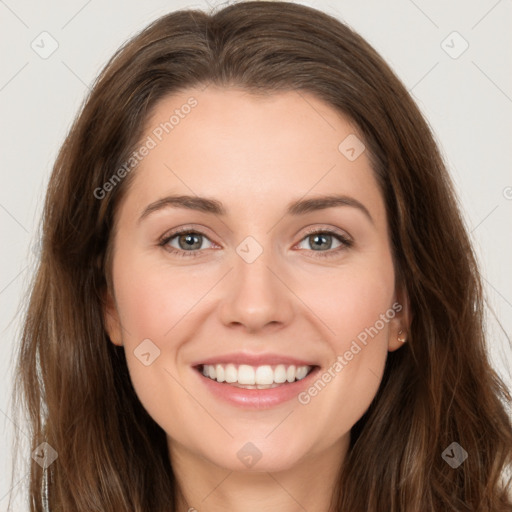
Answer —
439 388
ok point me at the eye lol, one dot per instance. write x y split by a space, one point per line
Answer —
185 242
325 241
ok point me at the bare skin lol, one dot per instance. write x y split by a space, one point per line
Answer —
299 297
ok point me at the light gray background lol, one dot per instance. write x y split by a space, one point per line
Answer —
467 100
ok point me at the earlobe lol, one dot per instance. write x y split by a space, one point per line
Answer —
396 342
400 324
111 319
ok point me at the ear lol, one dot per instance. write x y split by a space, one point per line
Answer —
111 319
400 324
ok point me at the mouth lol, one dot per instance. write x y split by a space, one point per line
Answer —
255 387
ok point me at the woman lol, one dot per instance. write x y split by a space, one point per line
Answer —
256 291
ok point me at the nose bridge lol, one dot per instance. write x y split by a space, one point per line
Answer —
254 296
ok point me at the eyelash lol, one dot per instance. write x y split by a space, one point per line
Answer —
346 242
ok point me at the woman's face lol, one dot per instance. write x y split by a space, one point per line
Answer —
247 290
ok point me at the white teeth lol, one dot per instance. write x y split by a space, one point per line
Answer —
220 373
231 373
246 374
260 377
301 372
264 375
280 374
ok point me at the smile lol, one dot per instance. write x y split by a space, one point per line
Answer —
255 386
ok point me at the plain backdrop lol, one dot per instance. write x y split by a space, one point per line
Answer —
454 57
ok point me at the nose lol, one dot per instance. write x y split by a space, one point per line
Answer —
256 297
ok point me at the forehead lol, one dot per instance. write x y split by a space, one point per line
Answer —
251 152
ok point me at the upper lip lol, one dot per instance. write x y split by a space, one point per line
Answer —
254 360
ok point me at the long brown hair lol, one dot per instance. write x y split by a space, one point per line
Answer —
439 388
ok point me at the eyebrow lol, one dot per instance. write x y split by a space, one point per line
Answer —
296 208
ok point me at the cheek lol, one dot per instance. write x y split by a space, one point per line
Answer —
151 300
352 301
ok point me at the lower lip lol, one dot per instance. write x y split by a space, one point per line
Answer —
257 398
